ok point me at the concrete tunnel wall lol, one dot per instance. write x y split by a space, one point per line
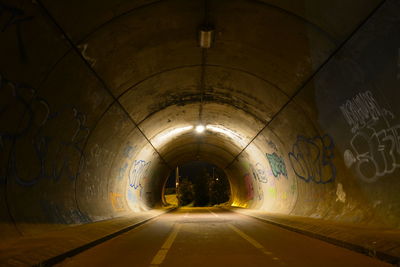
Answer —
98 101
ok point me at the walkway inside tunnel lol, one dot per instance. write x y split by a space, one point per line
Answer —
215 237
294 102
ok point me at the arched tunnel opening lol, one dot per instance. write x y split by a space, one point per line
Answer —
197 183
295 102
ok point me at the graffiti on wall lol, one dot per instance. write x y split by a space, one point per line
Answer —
361 111
117 201
127 154
277 165
259 177
272 145
128 151
311 159
249 186
375 143
272 191
131 196
135 196
83 48
14 17
259 173
31 134
121 171
138 171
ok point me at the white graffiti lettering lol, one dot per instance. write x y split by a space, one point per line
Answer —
360 110
375 145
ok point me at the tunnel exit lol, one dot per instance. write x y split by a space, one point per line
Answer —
197 184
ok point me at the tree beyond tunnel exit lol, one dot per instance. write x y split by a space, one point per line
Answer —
201 184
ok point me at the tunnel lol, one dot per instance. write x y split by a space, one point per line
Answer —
296 101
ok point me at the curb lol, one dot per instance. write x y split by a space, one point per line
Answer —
70 253
351 246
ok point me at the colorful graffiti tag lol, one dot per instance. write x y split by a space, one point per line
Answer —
117 201
277 165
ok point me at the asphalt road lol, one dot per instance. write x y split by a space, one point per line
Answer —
214 237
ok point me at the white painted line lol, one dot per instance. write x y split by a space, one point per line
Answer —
213 213
252 241
162 253
246 237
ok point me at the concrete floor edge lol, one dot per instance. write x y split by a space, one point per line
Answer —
338 242
59 258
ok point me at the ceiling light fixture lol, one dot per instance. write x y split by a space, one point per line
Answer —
228 133
168 134
200 128
206 36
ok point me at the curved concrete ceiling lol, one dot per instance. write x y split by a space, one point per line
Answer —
105 97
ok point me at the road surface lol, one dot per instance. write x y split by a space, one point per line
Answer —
215 237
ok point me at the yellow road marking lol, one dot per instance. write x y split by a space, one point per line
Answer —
246 237
162 253
159 257
168 243
252 241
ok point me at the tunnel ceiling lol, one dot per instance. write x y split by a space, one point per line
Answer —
100 99
147 54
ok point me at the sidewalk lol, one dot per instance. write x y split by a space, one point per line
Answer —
50 248
383 244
